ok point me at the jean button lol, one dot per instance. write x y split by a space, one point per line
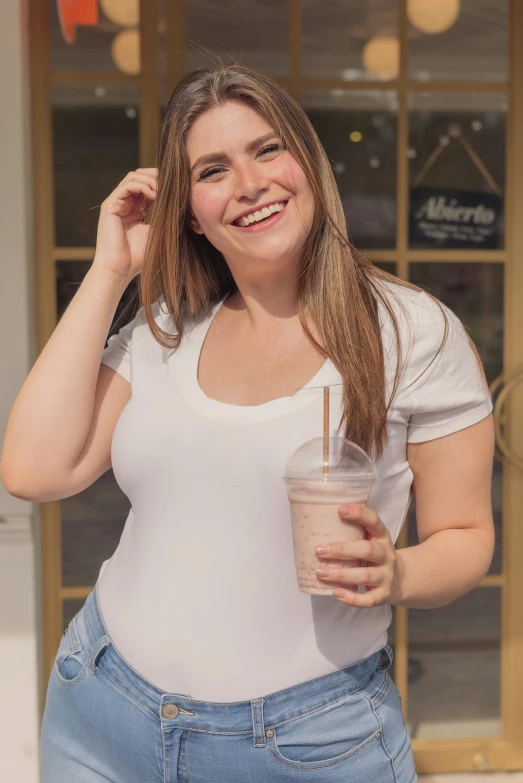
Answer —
170 711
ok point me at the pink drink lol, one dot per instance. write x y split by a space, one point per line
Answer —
315 520
319 480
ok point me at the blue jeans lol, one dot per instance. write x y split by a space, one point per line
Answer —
105 722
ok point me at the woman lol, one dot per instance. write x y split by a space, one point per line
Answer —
196 657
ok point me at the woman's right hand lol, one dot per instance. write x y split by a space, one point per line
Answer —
122 233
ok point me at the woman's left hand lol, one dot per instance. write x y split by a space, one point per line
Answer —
381 577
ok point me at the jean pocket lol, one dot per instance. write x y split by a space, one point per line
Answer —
76 655
336 733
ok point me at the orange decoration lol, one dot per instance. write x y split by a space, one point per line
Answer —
76 12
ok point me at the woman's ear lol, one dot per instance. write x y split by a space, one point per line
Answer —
193 223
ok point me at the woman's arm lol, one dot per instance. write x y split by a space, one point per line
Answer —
452 489
452 486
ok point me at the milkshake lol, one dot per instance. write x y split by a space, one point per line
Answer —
317 487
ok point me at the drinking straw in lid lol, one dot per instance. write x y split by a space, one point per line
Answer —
325 429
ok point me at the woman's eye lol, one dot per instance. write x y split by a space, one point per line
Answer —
208 172
270 148
216 169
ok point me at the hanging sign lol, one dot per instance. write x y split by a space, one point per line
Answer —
72 13
445 218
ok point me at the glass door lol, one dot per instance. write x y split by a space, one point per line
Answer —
420 109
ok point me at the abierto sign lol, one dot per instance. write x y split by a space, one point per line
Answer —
454 218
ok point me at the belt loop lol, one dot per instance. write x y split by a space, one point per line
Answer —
100 645
258 727
386 658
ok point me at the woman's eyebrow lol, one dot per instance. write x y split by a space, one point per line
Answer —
215 157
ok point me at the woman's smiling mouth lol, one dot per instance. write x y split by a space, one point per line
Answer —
267 222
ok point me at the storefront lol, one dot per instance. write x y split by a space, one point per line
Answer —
420 108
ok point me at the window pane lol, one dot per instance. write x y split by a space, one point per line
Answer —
456 651
92 47
387 266
358 132
95 144
92 523
350 39
70 608
92 520
252 34
468 42
475 293
457 161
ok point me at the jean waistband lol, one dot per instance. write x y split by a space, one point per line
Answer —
181 711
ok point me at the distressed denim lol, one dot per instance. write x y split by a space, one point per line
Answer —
105 722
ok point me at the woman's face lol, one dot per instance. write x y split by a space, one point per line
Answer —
251 170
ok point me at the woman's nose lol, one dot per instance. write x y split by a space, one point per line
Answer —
250 180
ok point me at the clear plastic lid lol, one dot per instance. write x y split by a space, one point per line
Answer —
346 462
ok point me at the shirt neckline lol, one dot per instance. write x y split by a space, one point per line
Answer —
187 382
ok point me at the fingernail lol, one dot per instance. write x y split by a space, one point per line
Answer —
348 510
323 549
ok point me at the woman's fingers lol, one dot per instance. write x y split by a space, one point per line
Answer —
126 197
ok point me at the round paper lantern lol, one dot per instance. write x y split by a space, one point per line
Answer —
126 13
432 17
125 51
381 57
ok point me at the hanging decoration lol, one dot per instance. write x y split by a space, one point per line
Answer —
450 218
72 13
381 57
432 17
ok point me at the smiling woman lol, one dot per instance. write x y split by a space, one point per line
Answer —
195 636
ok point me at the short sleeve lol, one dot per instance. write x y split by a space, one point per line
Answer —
449 391
117 353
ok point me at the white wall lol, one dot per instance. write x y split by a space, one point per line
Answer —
19 531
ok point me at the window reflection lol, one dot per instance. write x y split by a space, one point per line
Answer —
464 40
350 39
252 34
95 144
457 170
456 649
358 132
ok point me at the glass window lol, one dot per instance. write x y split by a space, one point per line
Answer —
92 523
350 39
457 170
110 45
454 652
92 520
251 34
70 608
95 144
387 266
474 291
459 40
358 132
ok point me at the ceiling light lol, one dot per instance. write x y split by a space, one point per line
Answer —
125 51
381 57
355 136
125 13
430 17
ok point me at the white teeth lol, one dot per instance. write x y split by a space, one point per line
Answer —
254 217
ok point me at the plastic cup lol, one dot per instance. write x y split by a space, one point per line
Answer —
317 486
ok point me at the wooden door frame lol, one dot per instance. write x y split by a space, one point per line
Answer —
501 753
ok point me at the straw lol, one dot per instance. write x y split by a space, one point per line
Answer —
325 429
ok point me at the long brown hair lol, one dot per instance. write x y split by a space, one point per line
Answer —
338 288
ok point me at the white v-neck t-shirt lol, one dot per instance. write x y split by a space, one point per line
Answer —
200 596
